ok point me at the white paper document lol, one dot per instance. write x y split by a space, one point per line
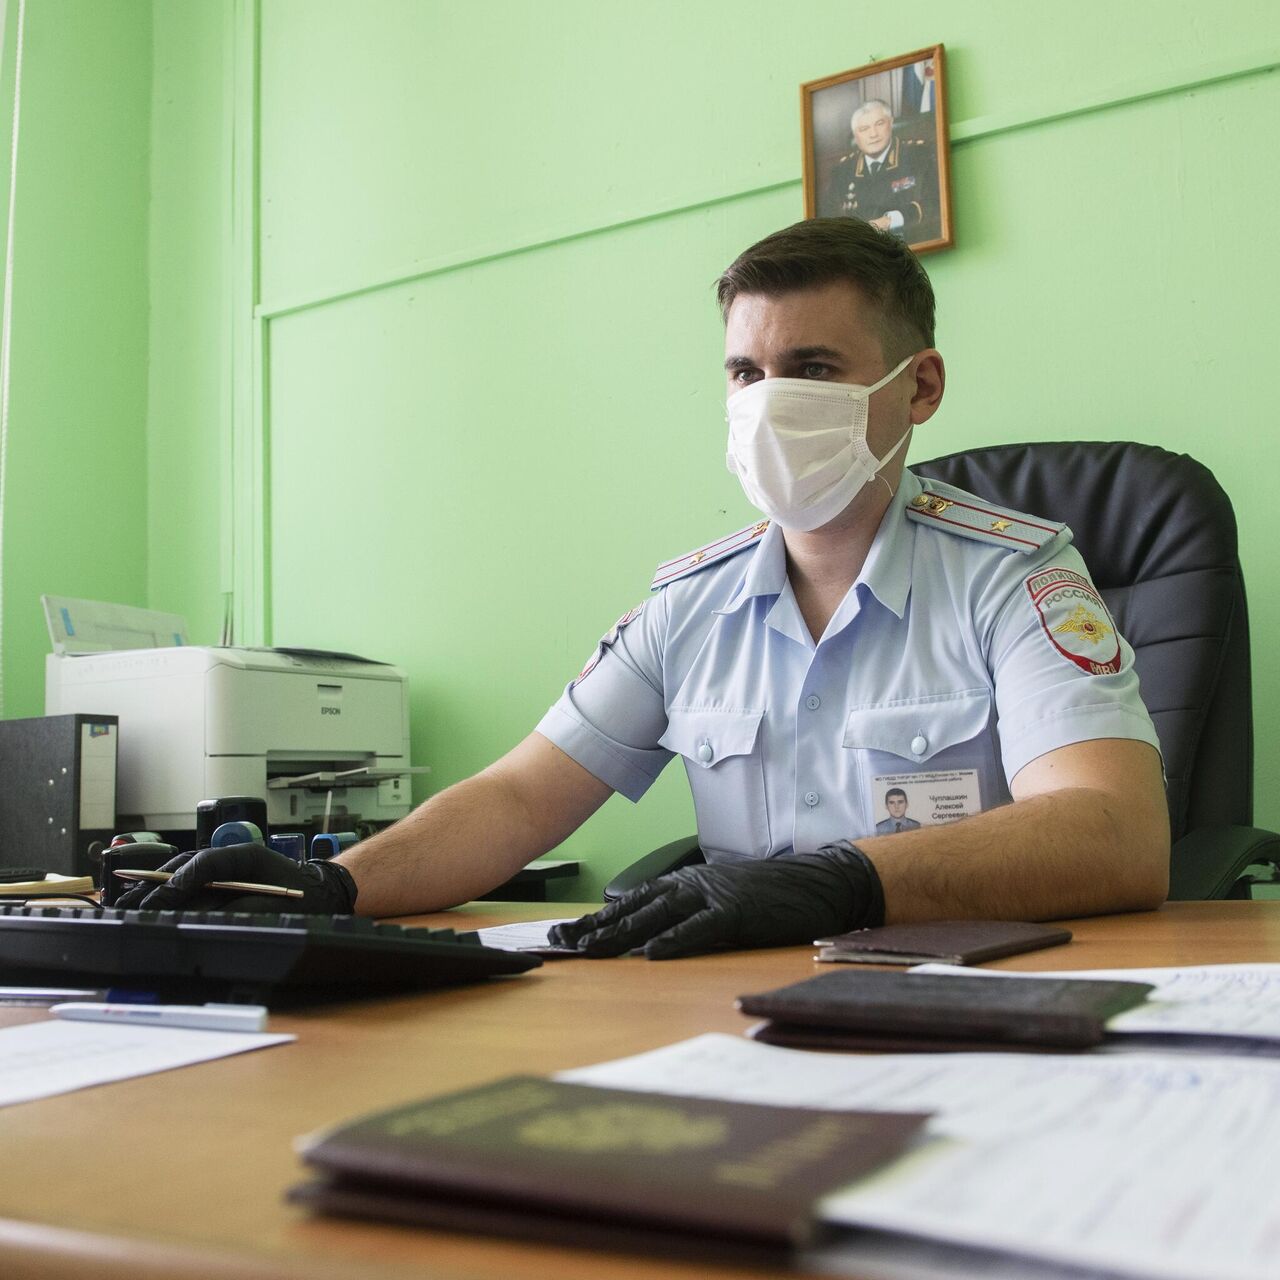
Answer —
1143 1165
525 935
1210 1000
43 1058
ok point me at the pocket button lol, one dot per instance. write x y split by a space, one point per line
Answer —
919 745
705 754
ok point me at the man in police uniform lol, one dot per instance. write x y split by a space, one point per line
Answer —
895 801
887 181
867 625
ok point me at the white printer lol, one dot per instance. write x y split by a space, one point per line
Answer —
315 733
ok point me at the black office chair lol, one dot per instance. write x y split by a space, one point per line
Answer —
1159 537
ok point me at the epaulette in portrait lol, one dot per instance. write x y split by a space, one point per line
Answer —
970 517
712 553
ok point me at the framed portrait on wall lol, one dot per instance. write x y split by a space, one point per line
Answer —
875 147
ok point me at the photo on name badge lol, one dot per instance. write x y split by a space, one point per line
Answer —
907 801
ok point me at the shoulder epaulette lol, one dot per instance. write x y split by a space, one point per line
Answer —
712 553
975 518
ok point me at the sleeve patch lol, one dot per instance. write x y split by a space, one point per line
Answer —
608 640
1075 620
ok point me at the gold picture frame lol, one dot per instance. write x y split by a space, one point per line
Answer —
875 147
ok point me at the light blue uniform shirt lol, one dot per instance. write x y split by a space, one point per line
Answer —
972 642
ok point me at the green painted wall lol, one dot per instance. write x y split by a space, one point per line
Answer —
76 490
190 299
488 236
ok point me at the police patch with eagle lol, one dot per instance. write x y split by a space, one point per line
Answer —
1075 620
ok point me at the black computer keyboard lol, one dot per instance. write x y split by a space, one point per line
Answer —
224 955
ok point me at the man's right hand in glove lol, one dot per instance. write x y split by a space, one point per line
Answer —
327 887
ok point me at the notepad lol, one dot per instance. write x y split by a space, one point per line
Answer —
52 884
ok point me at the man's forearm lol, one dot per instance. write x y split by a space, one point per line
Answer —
458 845
477 834
1073 852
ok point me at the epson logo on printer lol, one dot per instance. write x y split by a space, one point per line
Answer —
330 711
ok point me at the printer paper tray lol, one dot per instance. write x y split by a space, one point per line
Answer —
363 777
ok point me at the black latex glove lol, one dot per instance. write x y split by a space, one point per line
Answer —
773 902
327 887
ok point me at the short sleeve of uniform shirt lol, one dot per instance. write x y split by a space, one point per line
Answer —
610 719
951 651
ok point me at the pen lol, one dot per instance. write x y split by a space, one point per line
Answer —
236 886
198 1017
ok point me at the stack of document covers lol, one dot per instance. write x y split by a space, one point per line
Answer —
1124 1164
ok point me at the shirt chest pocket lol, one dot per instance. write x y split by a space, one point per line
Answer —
724 759
936 753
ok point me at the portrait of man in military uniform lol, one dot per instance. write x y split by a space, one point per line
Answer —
875 148
888 181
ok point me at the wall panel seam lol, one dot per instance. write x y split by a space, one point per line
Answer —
962 133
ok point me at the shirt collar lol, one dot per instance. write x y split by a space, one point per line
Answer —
767 573
886 573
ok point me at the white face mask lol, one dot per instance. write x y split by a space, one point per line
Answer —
799 448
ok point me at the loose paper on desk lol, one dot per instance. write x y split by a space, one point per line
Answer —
1143 1165
1203 1007
43 1058
524 935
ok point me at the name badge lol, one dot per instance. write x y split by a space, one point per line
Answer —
905 801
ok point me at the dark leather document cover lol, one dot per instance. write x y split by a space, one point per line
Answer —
875 1009
538 1158
942 941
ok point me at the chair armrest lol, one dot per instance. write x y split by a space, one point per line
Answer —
671 857
1206 863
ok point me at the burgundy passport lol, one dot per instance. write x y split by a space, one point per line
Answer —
941 942
873 1009
542 1159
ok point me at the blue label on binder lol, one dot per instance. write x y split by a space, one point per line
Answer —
66 621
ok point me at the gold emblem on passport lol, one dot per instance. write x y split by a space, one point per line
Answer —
1086 625
623 1127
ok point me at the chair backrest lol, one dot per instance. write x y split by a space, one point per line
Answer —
1159 536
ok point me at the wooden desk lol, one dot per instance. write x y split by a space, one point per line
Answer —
182 1174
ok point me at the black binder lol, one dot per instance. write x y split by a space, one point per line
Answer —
57 790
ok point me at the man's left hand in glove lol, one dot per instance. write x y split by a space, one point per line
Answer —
772 902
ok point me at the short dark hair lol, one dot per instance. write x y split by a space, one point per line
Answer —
894 791
819 251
